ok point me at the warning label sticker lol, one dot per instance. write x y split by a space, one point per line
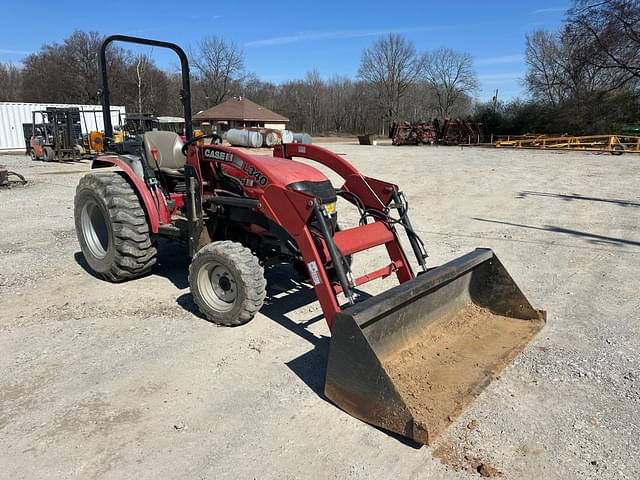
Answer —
313 271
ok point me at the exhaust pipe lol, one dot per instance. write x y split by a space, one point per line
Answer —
410 359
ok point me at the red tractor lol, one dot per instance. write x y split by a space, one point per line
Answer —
239 213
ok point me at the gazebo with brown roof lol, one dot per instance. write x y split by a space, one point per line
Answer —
239 112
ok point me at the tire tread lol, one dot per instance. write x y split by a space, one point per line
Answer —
251 275
135 253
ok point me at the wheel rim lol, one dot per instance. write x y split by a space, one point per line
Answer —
94 229
217 286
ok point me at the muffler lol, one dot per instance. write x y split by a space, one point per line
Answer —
410 359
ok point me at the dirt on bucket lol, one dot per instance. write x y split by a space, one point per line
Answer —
452 360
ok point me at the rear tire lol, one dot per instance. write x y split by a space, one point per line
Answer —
112 227
48 155
227 283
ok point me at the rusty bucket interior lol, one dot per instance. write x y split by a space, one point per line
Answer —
410 359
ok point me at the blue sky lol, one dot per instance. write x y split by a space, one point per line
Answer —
283 40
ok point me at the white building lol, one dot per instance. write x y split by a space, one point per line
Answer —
14 114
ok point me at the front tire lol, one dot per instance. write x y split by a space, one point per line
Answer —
112 227
227 283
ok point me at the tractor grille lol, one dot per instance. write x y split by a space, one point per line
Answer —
324 192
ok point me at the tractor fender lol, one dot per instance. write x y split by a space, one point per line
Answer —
133 169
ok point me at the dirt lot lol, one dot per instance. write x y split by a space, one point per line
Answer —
126 381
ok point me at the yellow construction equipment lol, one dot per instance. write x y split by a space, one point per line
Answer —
612 143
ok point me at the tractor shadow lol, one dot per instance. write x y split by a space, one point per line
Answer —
287 294
79 258
172 264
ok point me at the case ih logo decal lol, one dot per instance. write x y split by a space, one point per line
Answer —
214 154
221 156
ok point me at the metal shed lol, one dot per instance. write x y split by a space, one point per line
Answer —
14 114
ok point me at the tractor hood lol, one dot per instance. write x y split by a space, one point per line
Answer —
298 176
285 172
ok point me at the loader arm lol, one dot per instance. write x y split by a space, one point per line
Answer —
373 193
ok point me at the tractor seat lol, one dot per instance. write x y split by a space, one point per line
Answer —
169 151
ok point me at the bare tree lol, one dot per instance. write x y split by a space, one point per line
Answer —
561 66
261 92
585 77
391 87
148 89
340 103
44 78
80 50
220 64
609 31
390 67
10 82
544 57
68 72
142 62
452 77
315 90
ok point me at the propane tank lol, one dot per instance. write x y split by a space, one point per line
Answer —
302 138
287 136
244 138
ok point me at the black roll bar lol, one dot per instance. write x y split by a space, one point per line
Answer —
185 92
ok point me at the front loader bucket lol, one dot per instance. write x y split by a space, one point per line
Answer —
410 359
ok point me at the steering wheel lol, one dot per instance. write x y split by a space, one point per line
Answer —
197 139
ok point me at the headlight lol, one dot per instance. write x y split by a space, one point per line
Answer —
331 207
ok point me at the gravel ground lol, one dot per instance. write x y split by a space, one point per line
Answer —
127 381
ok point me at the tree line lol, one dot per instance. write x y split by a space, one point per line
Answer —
68 72
395 82
583 78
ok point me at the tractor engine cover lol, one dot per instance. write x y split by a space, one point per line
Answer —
287 173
